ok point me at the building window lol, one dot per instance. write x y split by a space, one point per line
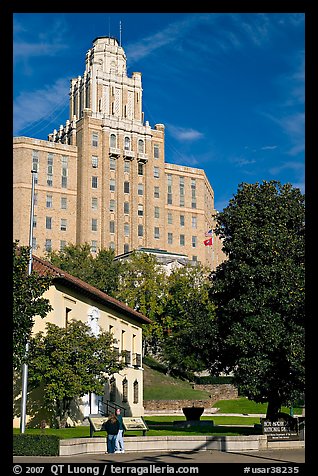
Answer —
156 233
140 168
140 230
63 203
48 223
49 201
181 191
94 203
194 258
94 161
156 192
62 245
34 221
126 187
63 224
35 164
112 205
140 210
141 147
126 208
170 238
194 203
194 241
182 240
94 224
113 141
169 218
181 220
112 245
112 185
140 189
127 166
64 171
156 212
33 243
95 139
112 163
125 390
126 248
112 226
169 189
48 245
194 222
94 246
156 172
156 151
49 179
94 182
136 392
127 143
126 229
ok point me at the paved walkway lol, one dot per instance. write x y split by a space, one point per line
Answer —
178 457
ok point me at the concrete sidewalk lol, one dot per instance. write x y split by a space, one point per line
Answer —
283 456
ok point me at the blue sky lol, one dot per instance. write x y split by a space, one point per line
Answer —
229 87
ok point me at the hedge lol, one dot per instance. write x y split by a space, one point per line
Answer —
36 445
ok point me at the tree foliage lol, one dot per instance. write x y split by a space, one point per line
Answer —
28 301
69 362
190 317
259 292
100 271
143 288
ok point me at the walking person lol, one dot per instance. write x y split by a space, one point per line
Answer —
112 427
119 445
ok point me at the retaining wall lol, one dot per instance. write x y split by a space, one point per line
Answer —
77 446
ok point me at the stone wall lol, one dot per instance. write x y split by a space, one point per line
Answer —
216 392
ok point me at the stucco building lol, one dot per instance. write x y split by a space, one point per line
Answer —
103 178
72 298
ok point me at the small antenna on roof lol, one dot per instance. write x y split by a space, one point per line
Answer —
120 33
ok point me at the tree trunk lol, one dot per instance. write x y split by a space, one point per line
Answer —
273 409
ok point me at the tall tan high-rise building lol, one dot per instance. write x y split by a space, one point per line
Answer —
102 178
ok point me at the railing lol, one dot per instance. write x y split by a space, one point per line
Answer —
105 408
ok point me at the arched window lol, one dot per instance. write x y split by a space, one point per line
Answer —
113 140
112 390
136 391
141 146
127 143
125 390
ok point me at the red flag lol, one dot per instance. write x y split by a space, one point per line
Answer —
208 242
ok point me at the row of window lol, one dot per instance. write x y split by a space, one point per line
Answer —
124 391
156 235
63 221
113 143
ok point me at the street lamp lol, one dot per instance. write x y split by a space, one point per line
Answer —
25 365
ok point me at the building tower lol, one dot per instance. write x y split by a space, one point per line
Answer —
103 178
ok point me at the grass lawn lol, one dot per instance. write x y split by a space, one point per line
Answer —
243 405
159 386
161 426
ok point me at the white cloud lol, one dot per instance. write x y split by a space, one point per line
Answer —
183 134
43 106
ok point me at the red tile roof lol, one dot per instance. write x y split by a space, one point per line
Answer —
43 268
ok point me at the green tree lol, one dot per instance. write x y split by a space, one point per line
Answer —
100 271
27 301
190 317
142 287
259 292
69 362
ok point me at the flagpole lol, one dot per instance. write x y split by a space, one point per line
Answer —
25 365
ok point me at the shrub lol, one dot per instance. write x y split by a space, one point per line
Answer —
36 445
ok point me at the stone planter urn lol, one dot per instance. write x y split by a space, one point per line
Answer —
193 413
